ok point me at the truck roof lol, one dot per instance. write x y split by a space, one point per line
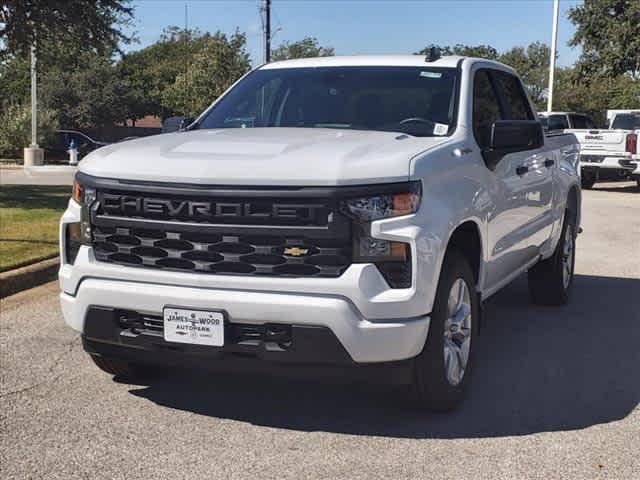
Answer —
450 61
544 114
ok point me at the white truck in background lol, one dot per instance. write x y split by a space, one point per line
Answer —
604 154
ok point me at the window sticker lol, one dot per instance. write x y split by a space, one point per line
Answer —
440 129
428 74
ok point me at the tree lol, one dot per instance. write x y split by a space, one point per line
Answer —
219 63
532 63
481 51
152 70
93 95
594 98
94 25
15 81
15 128
609 33
306 48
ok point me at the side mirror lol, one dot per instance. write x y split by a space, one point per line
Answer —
173 124
185 122
510 136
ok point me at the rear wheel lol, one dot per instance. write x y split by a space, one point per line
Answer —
121 368
443 368
550 280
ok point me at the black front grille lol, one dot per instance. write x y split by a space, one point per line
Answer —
219 253
234 235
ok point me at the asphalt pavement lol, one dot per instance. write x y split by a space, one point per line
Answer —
554 395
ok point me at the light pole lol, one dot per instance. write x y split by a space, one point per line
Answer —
552 57
267 31
33 154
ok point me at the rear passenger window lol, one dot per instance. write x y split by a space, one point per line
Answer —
558 122
514 96
581 122
486 108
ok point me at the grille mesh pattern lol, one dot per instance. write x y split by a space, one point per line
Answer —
219 253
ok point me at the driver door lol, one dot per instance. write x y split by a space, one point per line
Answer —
520 184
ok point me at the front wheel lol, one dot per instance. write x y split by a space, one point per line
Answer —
443 368
550 280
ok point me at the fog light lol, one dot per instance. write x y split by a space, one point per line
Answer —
370 249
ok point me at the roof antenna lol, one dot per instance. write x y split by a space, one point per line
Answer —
433 55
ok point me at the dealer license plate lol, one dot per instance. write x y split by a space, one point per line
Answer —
200 327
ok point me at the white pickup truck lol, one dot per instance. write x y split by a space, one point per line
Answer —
604 154
346 211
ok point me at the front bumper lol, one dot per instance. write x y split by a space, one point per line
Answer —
365 341
370 320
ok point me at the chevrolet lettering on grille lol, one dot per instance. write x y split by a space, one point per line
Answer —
129 205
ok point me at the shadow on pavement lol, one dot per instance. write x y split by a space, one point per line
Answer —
538 370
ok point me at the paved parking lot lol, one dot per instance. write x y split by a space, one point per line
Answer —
555 395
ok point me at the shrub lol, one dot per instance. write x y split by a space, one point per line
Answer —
15 129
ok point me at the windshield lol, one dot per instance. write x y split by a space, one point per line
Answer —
626 121
413 100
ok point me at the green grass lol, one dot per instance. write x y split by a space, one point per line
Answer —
29 217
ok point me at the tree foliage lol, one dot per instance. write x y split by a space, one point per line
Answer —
15 128
594 98
532 63
609 33
151 70
306 48
91 96
94 25
481 51
219 63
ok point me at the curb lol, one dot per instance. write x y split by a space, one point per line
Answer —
19 279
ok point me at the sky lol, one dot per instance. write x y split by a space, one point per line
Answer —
354 27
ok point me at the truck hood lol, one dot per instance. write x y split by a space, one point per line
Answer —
262 156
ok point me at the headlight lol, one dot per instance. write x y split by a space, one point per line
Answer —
376 207
393 259
80 233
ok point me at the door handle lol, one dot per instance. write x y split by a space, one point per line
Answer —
549 163
521 170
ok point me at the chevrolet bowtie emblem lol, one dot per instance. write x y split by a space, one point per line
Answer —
295 251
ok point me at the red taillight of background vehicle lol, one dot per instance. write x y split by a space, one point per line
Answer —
632 143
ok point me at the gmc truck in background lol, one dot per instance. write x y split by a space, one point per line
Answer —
604 154
344 211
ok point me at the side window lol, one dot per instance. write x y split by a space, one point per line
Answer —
514 96
486 108
558 122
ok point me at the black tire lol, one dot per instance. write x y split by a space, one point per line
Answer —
587 180
546 279
432 390
123 369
